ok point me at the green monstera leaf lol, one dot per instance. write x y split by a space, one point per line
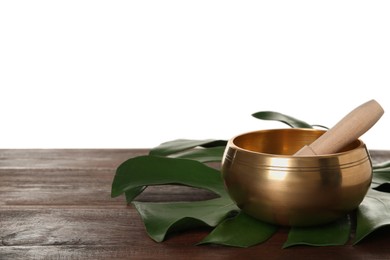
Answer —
177 162
240 231
180 148
163 218
276 116
182 162
374 212
160 219
179 145
332 234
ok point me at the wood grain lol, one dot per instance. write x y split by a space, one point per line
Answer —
55 204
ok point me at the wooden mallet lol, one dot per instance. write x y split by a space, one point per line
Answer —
348 129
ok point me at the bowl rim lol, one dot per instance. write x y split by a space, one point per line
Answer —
232 144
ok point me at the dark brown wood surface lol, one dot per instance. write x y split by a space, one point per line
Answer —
55 204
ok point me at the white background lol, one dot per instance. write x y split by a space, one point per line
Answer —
130 74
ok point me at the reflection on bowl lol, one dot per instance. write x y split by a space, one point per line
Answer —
270 184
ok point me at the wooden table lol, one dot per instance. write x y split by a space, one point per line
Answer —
55 204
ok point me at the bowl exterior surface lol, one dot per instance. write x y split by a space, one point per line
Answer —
270 184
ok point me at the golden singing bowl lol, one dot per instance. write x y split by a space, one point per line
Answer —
270 184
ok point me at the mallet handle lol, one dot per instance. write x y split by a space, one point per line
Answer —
348 129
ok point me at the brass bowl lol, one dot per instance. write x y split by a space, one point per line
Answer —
268 183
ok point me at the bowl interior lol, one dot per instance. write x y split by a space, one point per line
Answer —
282 141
